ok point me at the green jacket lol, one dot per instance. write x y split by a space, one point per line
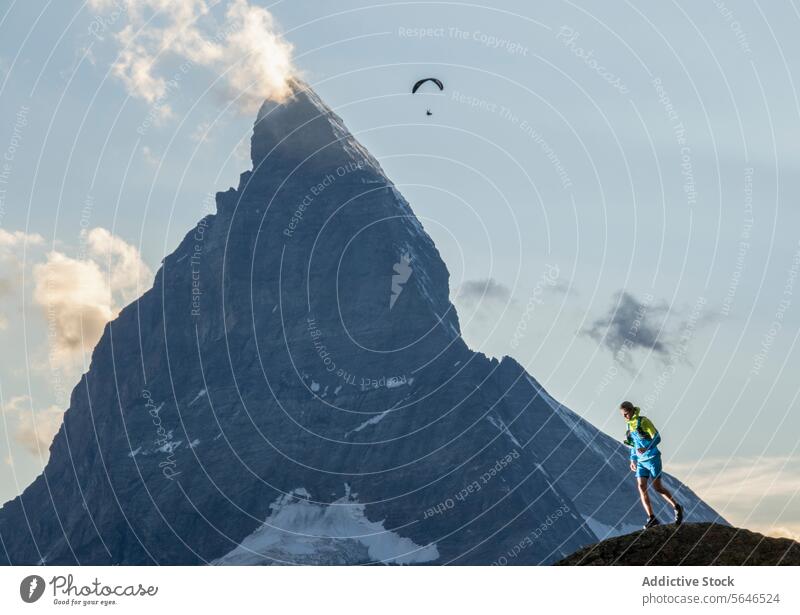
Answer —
642 434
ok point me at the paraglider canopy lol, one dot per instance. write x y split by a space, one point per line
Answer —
419 84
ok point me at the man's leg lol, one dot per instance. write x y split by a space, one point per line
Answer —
642 483
664 492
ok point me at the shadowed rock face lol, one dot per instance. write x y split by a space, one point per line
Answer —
298 362
693 544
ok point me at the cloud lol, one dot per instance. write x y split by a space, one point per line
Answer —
488 289
753 492
17 239
11 244
649 325
81 54
149 157
751 478
76 299
129 274
34 430
560 287
80 295
631 324
201 133
780 531
238 40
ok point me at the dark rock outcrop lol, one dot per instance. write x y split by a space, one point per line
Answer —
691 544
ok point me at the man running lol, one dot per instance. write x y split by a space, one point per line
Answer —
643 438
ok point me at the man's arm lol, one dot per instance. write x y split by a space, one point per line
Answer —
633 457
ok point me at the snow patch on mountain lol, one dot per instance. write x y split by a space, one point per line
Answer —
299 531
373 421
502 428
201 394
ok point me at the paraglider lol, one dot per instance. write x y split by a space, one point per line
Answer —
422 82
419 84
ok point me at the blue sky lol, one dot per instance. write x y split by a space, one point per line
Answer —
613 187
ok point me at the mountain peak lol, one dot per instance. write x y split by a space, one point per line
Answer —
295 389
303 131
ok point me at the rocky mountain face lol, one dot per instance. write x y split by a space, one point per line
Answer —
294 389
692 544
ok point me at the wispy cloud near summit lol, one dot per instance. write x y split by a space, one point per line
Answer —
238 40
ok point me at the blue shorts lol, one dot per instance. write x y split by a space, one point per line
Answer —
649 468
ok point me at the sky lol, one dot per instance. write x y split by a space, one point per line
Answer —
613 188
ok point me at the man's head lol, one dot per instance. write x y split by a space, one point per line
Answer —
627 409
